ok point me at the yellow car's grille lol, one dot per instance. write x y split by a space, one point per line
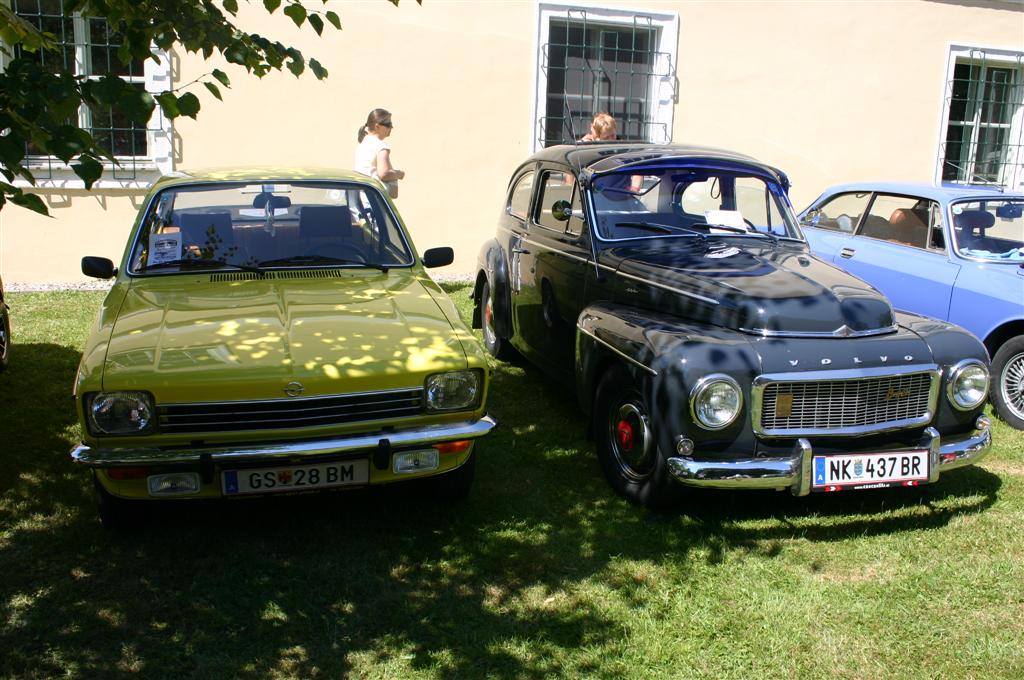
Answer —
275 414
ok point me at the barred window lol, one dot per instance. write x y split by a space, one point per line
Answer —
983 127
595 60
88 46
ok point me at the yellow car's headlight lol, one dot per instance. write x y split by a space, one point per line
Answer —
119 412
454 390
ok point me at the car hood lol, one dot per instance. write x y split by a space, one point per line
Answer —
224 337
761 287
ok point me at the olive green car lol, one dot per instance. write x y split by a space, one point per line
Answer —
274 331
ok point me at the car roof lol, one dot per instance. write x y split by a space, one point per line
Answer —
261 174
607 156
935 192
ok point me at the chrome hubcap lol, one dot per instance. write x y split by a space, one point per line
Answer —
629 432
488 329
1011 384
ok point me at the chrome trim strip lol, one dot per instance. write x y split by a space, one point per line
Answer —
841 332
663 286
235 453
795 471
562 253
762 381
616 350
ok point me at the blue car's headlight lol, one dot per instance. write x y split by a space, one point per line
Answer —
453 390
968 384
119 412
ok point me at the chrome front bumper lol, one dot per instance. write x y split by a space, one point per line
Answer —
421 436
794 471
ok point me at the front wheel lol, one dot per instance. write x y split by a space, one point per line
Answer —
116 513
496 346
626 445
5 336
1008 382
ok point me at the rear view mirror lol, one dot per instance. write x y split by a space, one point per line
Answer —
812 218
98 267
1010 211
438 257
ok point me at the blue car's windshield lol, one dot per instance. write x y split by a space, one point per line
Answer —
990 230
668 202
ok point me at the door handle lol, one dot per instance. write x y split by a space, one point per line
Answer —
847 253
521 251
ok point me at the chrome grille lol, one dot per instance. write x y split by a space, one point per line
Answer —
273 414
848 405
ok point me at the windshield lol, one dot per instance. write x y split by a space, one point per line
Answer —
990 229
697 201
270 225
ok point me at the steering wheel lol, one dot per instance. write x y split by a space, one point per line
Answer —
341 251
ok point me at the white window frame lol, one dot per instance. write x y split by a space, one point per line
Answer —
663 89
156 78
1012 172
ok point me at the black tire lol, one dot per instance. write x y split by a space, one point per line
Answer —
496 346
5 337
455 485
117 514
626 445
1008 382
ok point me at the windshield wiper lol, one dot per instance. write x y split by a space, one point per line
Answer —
200 261
318 259
654 226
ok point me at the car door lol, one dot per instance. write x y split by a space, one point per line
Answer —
562 259
523 291
830 223
897 249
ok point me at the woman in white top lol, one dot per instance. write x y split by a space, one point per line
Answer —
373 155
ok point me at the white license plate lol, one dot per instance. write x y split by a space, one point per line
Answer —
295 478
870 470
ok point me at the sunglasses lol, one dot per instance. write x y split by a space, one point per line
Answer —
387 124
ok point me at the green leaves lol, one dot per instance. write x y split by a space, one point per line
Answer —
297 13
40 109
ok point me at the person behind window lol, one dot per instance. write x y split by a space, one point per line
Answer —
603 128
373 155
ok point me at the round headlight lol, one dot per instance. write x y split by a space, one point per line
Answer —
452 391
968 384
716 401
120 412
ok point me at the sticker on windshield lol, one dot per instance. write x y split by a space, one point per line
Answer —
164 247
725 218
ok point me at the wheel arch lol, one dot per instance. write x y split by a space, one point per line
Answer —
493 270
1001 334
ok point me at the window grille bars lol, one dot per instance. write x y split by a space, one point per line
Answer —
594 66
984 142
87 47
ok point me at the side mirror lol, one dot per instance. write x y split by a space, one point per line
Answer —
561 211
438 257
98 267
812 218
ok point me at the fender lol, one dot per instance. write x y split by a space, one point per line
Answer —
659 348
492 267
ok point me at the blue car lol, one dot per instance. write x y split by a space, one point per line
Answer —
951 252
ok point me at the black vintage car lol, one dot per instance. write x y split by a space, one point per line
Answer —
707 344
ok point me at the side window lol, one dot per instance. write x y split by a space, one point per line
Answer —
697 198
559 186
936 237
842 212
519 199
898 219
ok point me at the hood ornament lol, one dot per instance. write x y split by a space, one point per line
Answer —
294 388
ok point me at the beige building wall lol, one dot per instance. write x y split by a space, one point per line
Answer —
828 91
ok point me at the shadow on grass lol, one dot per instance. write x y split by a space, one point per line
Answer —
325 584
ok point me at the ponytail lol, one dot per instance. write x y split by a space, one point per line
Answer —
361 133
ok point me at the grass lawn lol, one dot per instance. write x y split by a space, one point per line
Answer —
542 573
